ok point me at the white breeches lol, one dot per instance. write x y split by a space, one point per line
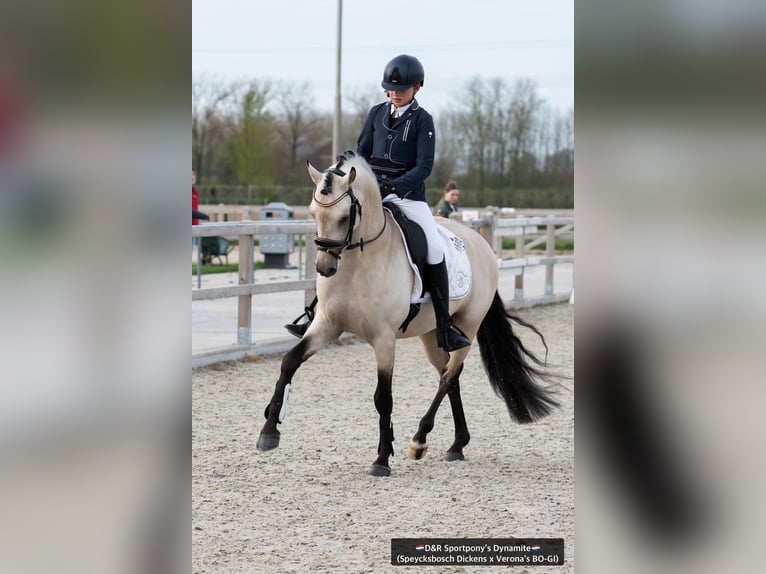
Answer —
419 212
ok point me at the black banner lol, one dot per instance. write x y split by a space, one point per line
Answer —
477 551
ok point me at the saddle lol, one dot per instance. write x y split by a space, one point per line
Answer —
414 239
456 259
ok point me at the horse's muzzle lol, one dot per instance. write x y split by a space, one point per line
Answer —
327 272
326 263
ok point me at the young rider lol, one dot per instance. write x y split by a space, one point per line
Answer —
398 140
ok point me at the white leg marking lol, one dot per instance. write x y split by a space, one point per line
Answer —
283 410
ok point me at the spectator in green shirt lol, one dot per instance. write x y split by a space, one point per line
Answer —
447 204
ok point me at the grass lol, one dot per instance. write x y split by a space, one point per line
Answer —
561 244
222 268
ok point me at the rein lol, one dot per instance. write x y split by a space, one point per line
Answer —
324 244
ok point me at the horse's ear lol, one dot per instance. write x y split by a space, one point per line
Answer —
351 176
315 174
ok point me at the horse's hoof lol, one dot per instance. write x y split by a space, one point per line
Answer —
416 451
267 442
450 456
379 470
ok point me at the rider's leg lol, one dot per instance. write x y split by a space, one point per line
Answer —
449 337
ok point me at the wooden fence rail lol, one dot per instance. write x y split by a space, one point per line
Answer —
494 229
538 230
246 231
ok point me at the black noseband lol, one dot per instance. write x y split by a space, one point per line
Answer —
328 245
331 245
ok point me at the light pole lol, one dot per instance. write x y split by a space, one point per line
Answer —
336 117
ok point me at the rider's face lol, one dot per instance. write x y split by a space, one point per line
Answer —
403 97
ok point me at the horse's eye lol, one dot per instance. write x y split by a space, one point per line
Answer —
344 220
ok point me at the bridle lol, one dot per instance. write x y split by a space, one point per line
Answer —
334 246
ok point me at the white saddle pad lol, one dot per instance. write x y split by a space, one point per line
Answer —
458 268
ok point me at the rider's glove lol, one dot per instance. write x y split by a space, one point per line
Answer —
386 188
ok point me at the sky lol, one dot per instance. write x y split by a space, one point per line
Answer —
456 40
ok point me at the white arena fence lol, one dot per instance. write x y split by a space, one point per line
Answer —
539 231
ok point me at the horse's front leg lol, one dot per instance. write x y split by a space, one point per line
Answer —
318 336
385 349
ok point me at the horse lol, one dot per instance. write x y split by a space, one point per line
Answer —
368 294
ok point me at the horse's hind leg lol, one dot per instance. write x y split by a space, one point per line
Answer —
455 452
448 384
319 335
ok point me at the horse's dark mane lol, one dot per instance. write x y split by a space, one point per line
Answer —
334 170
327 186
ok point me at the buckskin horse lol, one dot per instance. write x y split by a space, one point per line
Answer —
368 294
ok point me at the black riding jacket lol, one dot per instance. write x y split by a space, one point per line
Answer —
403 152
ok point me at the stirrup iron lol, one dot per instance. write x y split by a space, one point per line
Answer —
451 338
299 329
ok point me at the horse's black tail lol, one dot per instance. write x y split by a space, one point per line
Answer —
512 369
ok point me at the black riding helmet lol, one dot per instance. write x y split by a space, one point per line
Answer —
403 72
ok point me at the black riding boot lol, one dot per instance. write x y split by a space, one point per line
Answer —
299 329
448 336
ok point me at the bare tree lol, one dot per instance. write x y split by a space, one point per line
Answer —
298 119
448 149
561 159
500 129
359 101
208 96
543 145
474 122
523 107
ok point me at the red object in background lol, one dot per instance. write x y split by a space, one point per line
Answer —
10 118
195 205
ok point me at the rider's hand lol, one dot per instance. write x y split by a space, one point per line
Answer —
387 188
